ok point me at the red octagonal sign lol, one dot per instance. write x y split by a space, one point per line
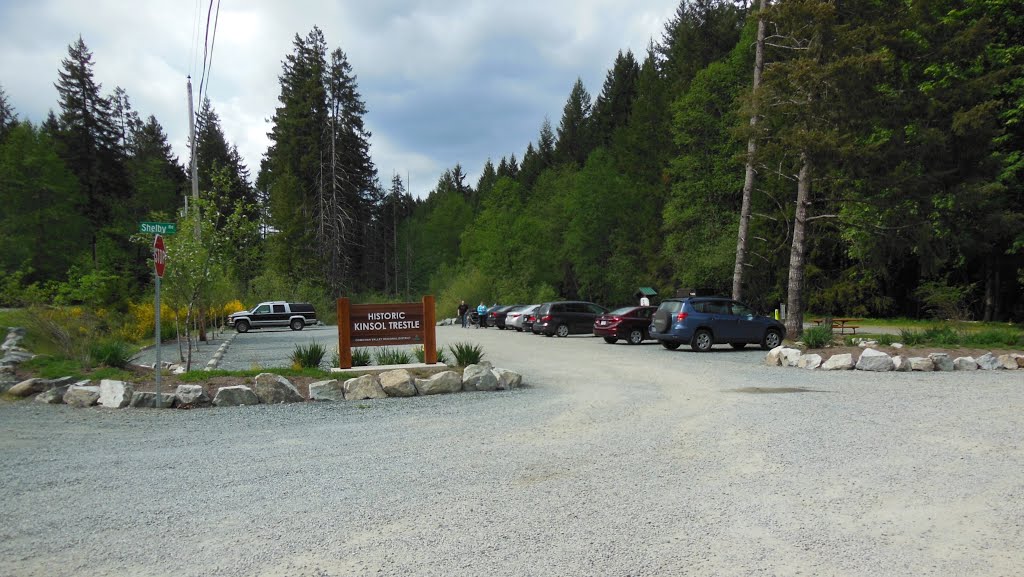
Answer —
159 255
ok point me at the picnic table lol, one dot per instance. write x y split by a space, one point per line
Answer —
842 324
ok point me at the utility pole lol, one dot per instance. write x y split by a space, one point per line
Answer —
195 192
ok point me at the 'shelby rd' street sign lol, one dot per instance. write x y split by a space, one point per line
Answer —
158 227
159 255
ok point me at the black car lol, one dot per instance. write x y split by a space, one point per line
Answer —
703 322
496 316
564 318
629 323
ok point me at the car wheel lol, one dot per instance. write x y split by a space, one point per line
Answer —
297 324
738 346
519 330
771 339
670 345
702 341
242 326
610 340
636 336
562 330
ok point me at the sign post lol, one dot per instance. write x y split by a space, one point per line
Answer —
160 261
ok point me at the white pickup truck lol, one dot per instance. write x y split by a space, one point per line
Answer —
274 314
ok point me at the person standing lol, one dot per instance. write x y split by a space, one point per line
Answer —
481 313
463 309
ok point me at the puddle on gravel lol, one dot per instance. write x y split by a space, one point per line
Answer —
773 390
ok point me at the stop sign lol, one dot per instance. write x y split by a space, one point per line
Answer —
159 255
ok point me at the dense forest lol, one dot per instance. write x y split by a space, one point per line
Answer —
863 157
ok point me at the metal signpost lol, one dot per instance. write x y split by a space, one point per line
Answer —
160 260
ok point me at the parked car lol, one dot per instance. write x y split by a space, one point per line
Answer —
629 323
496 317
564 318
703 322
529 319
274 314
486 321
517 317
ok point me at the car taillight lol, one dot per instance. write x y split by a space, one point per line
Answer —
545 318
682 316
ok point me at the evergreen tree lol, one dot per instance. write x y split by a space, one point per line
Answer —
484 185
8 117
574 142
700 32
615 103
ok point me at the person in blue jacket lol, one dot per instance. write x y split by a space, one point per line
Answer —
481 313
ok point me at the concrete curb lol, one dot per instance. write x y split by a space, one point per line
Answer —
217 356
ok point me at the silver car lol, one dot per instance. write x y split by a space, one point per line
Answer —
516 316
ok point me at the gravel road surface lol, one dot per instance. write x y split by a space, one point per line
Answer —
616 460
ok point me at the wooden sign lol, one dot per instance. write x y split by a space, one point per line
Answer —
381 324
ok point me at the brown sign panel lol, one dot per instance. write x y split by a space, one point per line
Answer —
386 324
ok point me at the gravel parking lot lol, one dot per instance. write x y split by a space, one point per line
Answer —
616 460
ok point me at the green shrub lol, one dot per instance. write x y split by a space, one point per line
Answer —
1008 338
911 337
818 337
308 356
466 353
110 353
422 357
389 356
942 335
361 357
887 340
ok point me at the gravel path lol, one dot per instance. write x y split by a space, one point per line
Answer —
617 460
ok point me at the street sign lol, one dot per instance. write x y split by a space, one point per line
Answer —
158 227
159 255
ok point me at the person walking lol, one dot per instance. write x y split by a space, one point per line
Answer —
463 309
481 313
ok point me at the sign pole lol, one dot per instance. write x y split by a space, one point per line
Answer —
159 262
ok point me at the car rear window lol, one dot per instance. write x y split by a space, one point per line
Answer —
671 306
544 309
621 312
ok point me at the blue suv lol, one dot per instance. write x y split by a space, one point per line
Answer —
706 321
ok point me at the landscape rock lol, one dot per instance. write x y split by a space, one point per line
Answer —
147 400
364 387
922 364
27 388
989 362
790 357
235 396
507 379
479 378
188 396
1020 360
841 362
774 357
16 356
1008 362
115 394
443 382
331 390
273 389
900 364
82 395
965 364
942 361
872 360
811 361
398 383
55 395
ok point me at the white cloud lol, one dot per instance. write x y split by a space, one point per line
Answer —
445 82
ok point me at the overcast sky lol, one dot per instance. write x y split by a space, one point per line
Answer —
444 81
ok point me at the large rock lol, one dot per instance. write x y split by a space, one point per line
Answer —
872 360
398 383
841 362
922 364
989 362
900 363
965 364
443 382
16 356
811 361
479 378
188 396
272 389
27 388
331 390
507 379
364 387
1020 360
55 394
147 400
774 357
1008 362
942 361
791 357
235 396
82 395
115 394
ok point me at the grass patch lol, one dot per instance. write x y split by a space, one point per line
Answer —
308 356
361 357
421 355
47 367
111 353
818 337
389 356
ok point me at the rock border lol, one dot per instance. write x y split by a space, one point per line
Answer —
877 361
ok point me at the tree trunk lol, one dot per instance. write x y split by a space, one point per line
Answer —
794 300
748 179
